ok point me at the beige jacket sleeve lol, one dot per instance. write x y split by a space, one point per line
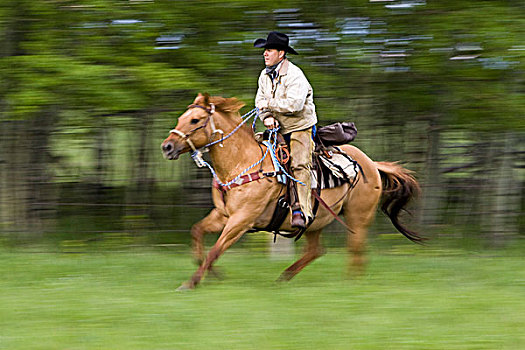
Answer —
260 99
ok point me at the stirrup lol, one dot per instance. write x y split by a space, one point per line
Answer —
299 221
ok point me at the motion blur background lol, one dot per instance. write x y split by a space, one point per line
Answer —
89 89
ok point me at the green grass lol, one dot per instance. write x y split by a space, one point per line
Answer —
410 298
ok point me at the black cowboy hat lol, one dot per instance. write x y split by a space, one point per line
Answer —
277 41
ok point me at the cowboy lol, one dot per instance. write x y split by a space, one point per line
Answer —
285 99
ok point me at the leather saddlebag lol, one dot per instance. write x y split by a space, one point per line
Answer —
337 133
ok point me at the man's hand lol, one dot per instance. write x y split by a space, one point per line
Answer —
271 122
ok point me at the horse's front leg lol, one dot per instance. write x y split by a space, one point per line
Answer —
214 222
235 227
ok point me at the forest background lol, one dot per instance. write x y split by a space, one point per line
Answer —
89 89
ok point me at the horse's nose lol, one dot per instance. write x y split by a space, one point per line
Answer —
167 147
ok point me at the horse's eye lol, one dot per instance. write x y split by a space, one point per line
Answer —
194 121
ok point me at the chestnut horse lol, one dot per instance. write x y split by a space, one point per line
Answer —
251 205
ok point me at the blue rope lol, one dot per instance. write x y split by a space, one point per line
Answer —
242 172
245 118
281 168
255 119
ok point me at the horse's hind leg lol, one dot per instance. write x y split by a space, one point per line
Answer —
312 251
214 222
358 218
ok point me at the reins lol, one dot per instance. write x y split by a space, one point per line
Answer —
214 130
197 153
236 179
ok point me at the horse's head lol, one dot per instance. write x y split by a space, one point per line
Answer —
198 125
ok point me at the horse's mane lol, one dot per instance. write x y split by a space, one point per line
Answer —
229 106
223 104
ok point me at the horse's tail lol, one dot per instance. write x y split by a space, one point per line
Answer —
399 187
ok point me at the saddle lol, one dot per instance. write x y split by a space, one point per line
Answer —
331 168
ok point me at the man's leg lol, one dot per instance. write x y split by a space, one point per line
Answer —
301 148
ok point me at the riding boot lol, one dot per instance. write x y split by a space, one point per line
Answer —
298 219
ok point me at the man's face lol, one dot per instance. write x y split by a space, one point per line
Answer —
272 56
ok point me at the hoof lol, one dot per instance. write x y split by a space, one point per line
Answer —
184 287
285 277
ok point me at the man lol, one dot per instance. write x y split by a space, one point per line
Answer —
285 99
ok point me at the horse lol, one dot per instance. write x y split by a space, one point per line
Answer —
244 208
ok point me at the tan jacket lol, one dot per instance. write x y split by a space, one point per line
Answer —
289 96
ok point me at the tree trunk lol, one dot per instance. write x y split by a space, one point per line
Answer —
505 200
138 217
38 179
432 199
14 198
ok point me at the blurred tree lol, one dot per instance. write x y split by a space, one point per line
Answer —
101 76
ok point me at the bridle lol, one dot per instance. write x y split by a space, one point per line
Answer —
186 137
197 153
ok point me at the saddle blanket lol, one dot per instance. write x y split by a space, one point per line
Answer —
335 171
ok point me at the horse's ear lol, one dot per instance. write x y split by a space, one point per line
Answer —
203 100
206 99
198 99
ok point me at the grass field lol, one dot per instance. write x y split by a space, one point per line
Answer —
413 298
